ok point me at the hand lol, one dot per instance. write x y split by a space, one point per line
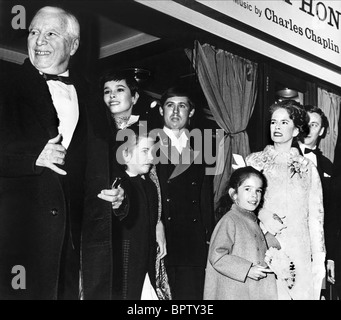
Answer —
115 196
331 271
161 240
271 221
258 272
52 153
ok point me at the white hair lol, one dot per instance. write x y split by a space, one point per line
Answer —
72 24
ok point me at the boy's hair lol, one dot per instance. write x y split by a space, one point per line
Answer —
236 180
176 92
132 136
296 113
119 75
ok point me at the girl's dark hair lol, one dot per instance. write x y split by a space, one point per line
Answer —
241 174
296 113
236 180
119 75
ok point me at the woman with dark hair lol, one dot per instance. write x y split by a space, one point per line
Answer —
120 94
293 208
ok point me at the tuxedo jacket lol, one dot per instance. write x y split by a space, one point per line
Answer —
39 208
187 205
324 166
333 238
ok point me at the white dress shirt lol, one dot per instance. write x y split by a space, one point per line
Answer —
65 101
311 155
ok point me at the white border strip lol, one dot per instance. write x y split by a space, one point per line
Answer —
241 38
126 44
12 56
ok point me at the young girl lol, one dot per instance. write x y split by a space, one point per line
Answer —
235 266
137 269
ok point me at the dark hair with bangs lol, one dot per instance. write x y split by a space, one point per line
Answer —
119 75
236 180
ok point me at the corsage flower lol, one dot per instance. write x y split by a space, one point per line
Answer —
298 165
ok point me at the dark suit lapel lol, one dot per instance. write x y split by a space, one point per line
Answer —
319 163
38 97
164 147
187 158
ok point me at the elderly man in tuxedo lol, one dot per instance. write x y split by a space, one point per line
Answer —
186 198
54 160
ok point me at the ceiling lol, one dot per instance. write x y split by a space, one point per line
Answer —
114 33
109 19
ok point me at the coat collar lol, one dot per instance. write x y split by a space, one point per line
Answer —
246 213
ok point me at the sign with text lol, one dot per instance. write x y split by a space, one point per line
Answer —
310 25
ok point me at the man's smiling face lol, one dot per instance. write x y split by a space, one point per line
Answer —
49 44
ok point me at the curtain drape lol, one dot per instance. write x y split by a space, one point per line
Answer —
229 83
330 104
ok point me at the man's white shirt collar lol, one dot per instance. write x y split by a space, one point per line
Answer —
64 74
311 156
178 143
65 101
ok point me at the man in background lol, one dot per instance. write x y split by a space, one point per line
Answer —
186 198
319 124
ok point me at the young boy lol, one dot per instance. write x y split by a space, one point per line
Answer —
138 229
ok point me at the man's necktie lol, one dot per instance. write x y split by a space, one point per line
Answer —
307 150
66 80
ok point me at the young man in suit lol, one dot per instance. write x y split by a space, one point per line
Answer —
318 124
54 159
186 198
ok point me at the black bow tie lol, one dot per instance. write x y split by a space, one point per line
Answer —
307 150
66 80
